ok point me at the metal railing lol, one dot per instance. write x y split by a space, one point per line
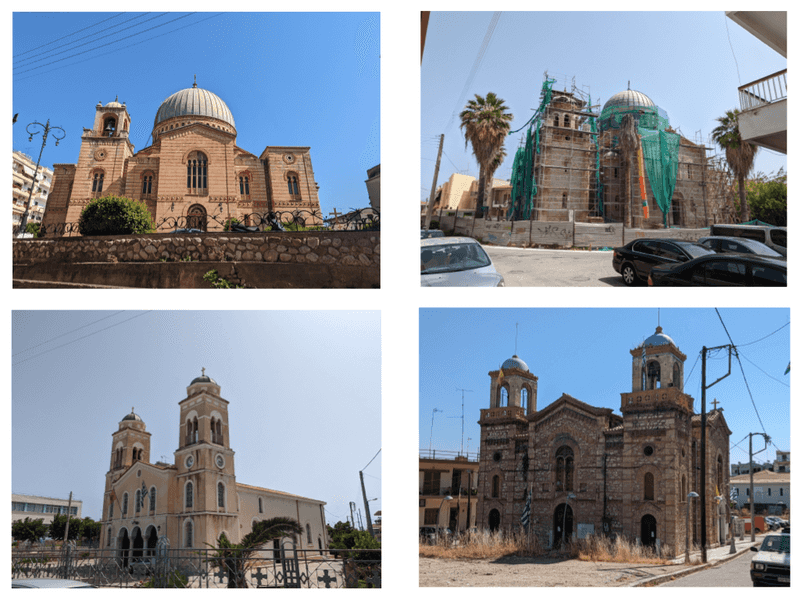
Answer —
163 567
449 455
766 90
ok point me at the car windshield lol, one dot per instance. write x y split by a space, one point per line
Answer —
775 543
448 258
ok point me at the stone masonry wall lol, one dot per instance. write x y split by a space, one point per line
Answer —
342 248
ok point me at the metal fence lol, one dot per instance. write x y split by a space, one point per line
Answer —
359 220
163 567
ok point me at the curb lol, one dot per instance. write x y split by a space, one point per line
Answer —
659 579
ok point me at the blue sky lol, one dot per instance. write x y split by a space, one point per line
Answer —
585 353
304 391
683 61
290 79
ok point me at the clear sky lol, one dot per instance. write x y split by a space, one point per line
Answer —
304 390
289 79
586 353
683 61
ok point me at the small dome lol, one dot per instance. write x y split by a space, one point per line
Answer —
515 362
132 417
658 339
628 99
194 101
203 379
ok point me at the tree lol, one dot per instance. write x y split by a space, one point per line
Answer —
739 155
237 559
485 123
33 228
90 528
28 530
59 525
115 215
767 198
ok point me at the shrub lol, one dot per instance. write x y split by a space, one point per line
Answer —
115 215
33 228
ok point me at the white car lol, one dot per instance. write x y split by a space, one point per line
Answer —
458 262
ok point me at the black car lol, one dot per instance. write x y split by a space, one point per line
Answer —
722 244
634 260
722 269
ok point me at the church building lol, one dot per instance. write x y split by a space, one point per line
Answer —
193 175
590 471
194 500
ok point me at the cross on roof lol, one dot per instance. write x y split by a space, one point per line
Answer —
203 370
715 402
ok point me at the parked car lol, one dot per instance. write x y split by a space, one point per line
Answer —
430 233
774 237
722 270
635 259
771 566
457 261
49 583
722 244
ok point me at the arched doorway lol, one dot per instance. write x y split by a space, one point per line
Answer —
138 543
494 519
196 217
562 524
123 547
152 540
648 530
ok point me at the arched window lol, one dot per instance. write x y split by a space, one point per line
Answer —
308 533
555 120
565 467
189 495
294 189
523 398
138 502
220 495
653 375
213 431
97 182
188 536
124 505
566 120
153 499
109 126
649 487
111 508
147 184
720 485
503 396
188 432
197 173
244 185
219 432
195 434
108 541
496 486
260 506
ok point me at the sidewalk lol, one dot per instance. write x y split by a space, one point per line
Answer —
715 556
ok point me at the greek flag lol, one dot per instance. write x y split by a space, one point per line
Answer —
526 513
144 491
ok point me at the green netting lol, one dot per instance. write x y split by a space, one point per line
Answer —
660 150
646 117
593 129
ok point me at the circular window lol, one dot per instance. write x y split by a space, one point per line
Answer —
648 450
189 461
220 460
497 456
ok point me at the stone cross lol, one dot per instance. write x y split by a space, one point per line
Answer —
715 402
203 370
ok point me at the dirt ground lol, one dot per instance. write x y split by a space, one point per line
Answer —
542 572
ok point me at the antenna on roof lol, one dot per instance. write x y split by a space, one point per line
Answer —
515 340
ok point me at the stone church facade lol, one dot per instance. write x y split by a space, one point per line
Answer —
591 471
194 500
192 175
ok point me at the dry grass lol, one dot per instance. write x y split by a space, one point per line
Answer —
618 550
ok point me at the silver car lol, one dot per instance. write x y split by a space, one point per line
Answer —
48 583
457 261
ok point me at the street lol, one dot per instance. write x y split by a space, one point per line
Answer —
735 573
533 267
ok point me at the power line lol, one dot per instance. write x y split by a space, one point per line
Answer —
79 339
373 458
762 370
765 337
70 34
67 333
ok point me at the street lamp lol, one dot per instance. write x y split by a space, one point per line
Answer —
439 514
46 129
689 497
564 523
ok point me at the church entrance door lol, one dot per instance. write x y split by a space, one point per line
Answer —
494 519
562 524
196 217
152 539
138 543
648 530
124 547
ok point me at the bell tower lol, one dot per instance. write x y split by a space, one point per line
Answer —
514 385
657 363
130 443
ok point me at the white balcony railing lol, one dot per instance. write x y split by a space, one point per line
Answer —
766 90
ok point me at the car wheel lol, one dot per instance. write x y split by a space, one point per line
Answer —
628 274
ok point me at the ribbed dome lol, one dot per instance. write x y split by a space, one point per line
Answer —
194 101
629 99
132 417
515 362
203 379
658 339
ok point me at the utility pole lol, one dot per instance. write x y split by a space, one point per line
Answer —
433 187
366 504
752 489
704 387
352 517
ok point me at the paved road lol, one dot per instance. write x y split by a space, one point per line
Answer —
735 573
532 267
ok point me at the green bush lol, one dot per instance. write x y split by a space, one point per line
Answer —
33 228
115 215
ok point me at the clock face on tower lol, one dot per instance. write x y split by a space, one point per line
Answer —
189 461
220 460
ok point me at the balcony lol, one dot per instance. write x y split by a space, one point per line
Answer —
762 120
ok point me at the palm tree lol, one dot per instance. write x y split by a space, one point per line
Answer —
485 123
237 559
739 155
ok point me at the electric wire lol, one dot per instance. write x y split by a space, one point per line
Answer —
67 333
69 34
373 458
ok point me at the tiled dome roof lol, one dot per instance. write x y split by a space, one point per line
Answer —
515 362
194 101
